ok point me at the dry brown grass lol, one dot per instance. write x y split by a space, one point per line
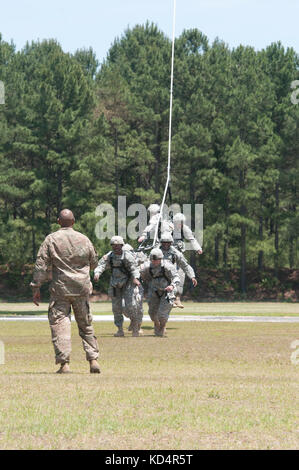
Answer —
205 386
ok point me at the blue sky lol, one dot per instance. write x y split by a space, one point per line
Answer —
96 23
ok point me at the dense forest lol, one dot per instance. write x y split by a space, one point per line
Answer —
75 133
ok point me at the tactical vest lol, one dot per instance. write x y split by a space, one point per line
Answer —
122 267
172 259
161 274
182 237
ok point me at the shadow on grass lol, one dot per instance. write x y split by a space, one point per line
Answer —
151 327
71 373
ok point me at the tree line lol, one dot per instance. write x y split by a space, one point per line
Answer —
75 133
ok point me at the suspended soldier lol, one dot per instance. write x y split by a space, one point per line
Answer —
164 225
182 232
180 262
124 279
163 281
66 257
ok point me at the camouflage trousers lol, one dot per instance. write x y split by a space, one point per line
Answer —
182 276
124 302
159 306
138 294
59 314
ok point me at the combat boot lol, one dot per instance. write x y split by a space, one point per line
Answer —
177 303
162 328
94 367
64 369
119 333
140 330
157 327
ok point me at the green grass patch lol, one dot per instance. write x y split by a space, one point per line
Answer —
205 386
191 308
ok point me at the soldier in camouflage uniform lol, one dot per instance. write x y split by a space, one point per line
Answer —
163 280
179 260
165 225
124 279
140 258
67 257
182 232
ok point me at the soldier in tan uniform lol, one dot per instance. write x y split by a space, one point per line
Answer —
68 255
124 279
163 280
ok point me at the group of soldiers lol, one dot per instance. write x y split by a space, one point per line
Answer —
69 256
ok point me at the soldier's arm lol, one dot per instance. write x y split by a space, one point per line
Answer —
172 275
183 264
103 264
42 266
190 238
131 265
93 256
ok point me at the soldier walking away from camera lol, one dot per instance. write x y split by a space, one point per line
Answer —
124 279
69 256
163 280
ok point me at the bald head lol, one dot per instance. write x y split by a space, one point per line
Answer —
66 218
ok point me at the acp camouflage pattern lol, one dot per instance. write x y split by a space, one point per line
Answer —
121 290
158 277
179 261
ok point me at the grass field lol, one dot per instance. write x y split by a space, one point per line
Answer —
205 386
191 308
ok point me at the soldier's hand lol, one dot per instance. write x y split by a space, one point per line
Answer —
96 277
194 282
199 252
140 239
36 297
169 288
136 282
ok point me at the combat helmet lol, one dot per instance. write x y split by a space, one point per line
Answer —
156 253
154 209
117 240
166 237
179 217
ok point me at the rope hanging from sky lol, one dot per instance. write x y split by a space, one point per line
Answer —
170 122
